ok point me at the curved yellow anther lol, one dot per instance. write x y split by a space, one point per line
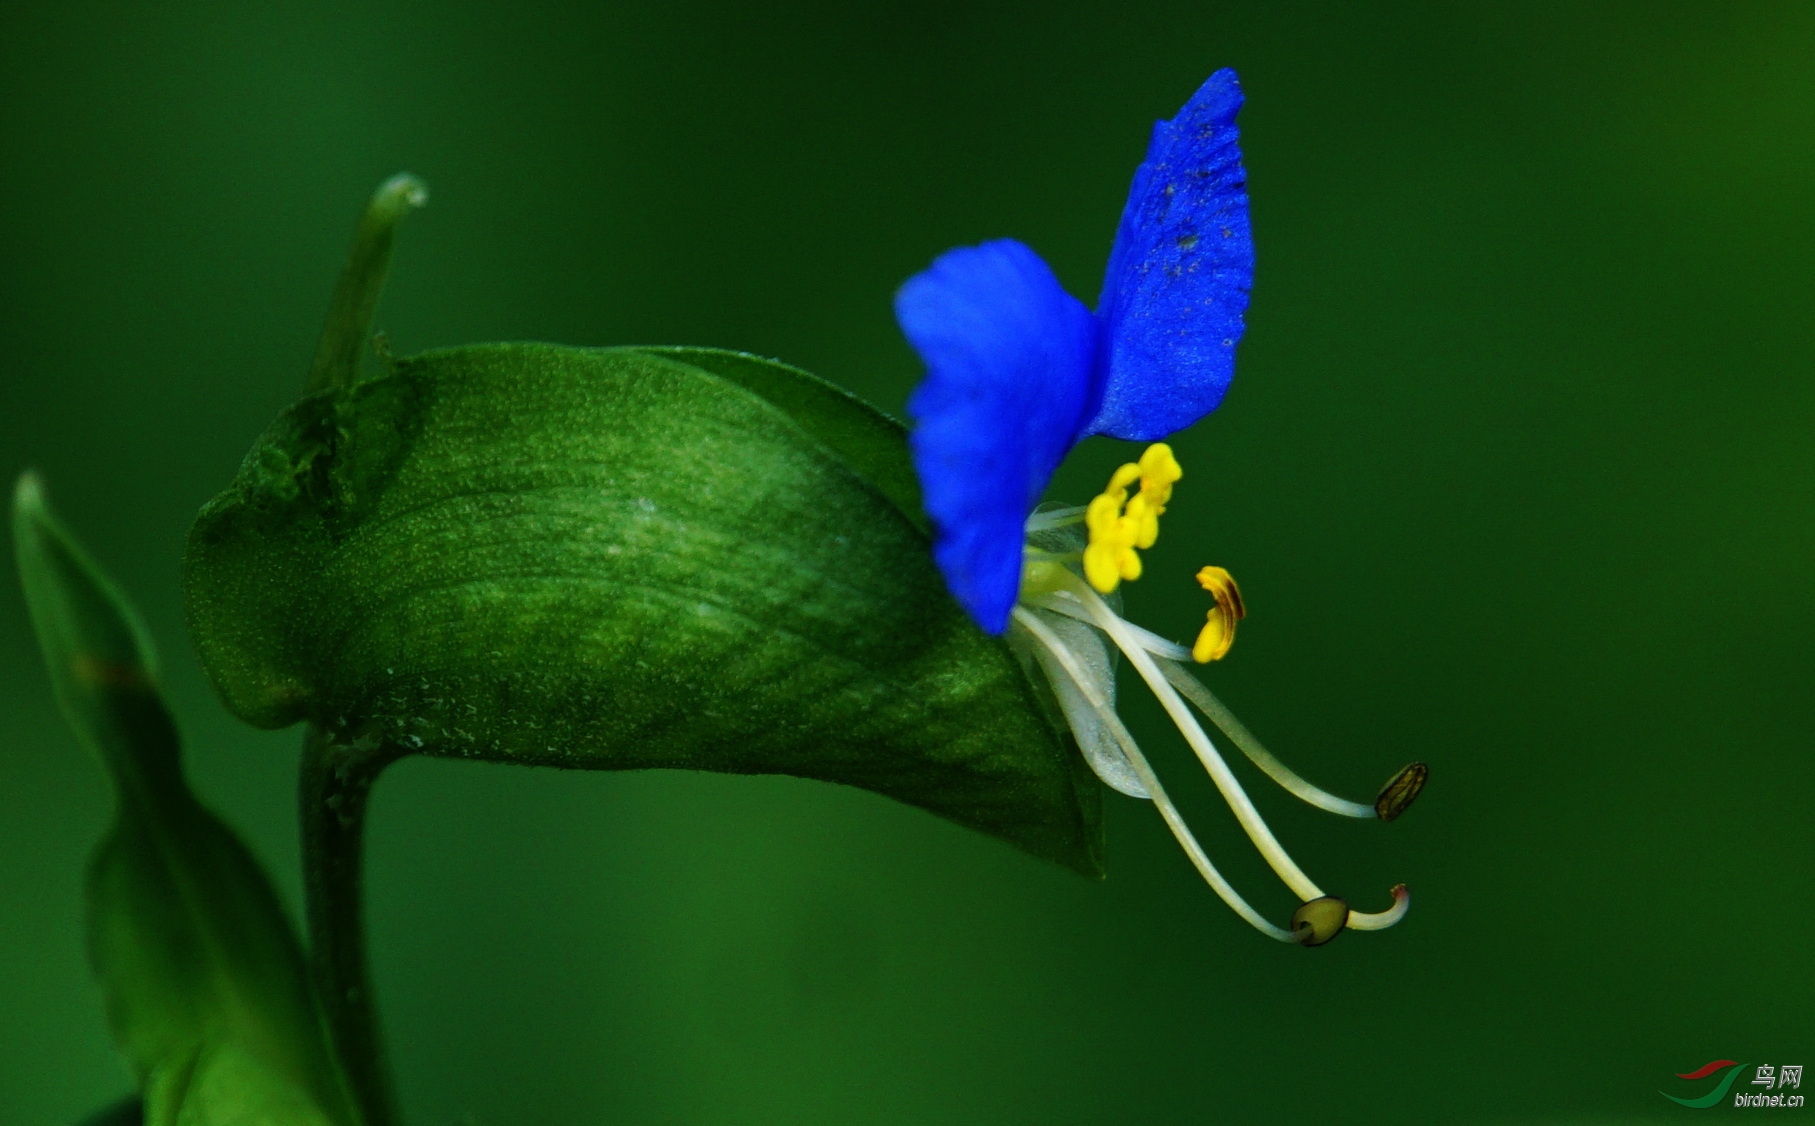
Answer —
1219 630
1119 525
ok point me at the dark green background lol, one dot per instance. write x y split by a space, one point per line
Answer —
1517 477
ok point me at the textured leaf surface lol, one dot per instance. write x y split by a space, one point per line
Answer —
870 443
203 978
614 559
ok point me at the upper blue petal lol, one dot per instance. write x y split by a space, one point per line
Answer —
1179 274
1011 380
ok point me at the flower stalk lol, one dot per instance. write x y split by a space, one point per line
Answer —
336 781
336 778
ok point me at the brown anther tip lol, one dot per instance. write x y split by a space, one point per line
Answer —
1320 920
1401 790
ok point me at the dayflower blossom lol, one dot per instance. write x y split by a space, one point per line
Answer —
1019 372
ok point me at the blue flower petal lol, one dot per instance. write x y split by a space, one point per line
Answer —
1011 380
1179 274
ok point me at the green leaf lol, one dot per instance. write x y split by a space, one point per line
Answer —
618 559
204 981
870 443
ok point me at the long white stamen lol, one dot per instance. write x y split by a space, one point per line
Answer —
1171 658
1172 662
1069 663
1256 828
1198 694
1062 602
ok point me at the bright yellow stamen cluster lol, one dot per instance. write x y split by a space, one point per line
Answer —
1120 525
1219 631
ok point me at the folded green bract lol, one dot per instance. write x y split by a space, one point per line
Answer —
203 977
619 559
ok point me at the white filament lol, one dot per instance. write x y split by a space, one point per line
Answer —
1381 920
1172 662
1206 702
1115 756
1074 671
1251 822
1054 518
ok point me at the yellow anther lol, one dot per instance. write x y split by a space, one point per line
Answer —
1219 630
1143 522
1159 472
1119 525
1109 546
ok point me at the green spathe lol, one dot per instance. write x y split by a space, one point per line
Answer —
619 559
204 981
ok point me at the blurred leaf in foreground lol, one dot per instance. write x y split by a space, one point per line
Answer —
126 1112
203 978
614 559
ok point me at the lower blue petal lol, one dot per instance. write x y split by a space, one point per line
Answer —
1012 378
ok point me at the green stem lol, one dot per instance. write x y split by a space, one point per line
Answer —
355 301
337 777
336 781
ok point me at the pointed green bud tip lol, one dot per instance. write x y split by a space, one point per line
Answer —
29 489
94 642
400 194
349 325
1320 920
29 506
1401 790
